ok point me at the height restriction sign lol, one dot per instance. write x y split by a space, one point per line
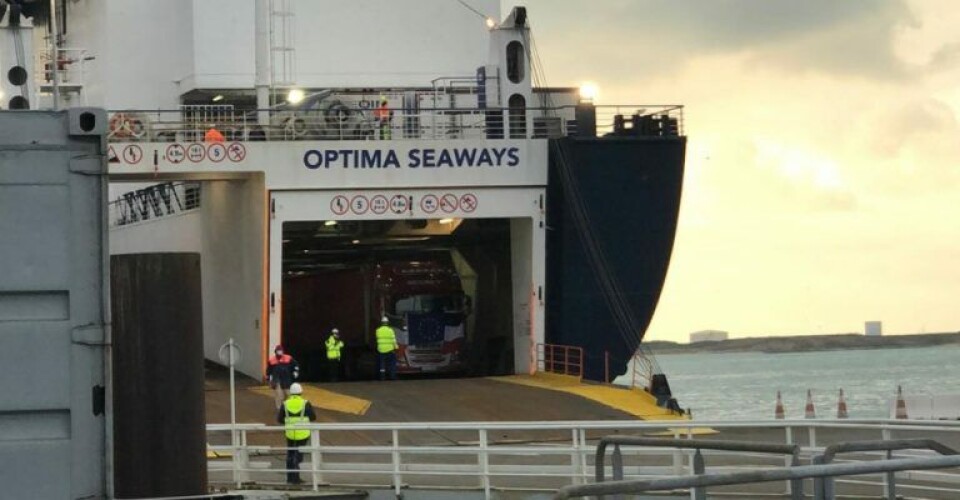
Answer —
399 204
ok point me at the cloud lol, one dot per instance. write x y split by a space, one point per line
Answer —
914 147
897 126
849 37
802 178
822 155
945 58
860 47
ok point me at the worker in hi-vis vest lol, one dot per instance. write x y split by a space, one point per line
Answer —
386 350
383 115
334 348
295 412
213 135
282 370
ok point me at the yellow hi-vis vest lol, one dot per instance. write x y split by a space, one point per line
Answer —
295 412
333 347
386 340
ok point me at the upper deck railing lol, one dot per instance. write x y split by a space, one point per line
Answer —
339 121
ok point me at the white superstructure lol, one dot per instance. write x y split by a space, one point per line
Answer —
461 130
144 54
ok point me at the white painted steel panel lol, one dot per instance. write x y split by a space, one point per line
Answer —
345 43
304 164
209 44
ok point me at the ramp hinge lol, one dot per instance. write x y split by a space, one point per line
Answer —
93 335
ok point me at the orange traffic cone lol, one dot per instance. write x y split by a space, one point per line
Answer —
778 411
901 405
808 411
841 406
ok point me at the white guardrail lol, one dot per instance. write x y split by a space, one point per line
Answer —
338 120
544 456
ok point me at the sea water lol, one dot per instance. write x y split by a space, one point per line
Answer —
743 386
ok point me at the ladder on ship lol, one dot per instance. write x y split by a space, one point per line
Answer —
283 70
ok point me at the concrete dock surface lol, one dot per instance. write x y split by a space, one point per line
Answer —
485 399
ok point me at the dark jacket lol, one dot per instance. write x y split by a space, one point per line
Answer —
281 370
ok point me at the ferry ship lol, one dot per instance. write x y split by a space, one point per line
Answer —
281 168
331 163
424 136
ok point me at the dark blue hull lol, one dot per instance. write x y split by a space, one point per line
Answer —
612 215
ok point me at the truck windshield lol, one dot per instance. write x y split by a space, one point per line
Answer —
419 304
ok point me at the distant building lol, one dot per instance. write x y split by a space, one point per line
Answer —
873 328
708 336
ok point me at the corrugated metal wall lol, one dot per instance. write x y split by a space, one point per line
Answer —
52 304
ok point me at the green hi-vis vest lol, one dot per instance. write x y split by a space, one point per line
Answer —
386 340
333 347
295 412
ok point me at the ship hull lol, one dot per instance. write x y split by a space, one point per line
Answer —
604 281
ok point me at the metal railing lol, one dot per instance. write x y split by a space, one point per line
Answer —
492 456
154 202
824 487
698 465
70 68
641 371
759 476
640 120
560 359
337 120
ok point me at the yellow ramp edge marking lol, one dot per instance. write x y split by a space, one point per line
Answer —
693 431
636 402
325 399
217 454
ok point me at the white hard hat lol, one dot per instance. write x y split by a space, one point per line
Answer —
295 388
335 331
384 320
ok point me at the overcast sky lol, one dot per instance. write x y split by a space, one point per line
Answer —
823 163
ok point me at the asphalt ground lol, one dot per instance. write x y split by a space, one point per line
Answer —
478 399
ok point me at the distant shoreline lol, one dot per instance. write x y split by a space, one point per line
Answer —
806 343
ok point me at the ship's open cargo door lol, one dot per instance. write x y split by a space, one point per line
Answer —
455 272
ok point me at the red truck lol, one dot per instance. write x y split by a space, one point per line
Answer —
423 298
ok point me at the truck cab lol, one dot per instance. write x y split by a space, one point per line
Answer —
427 308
